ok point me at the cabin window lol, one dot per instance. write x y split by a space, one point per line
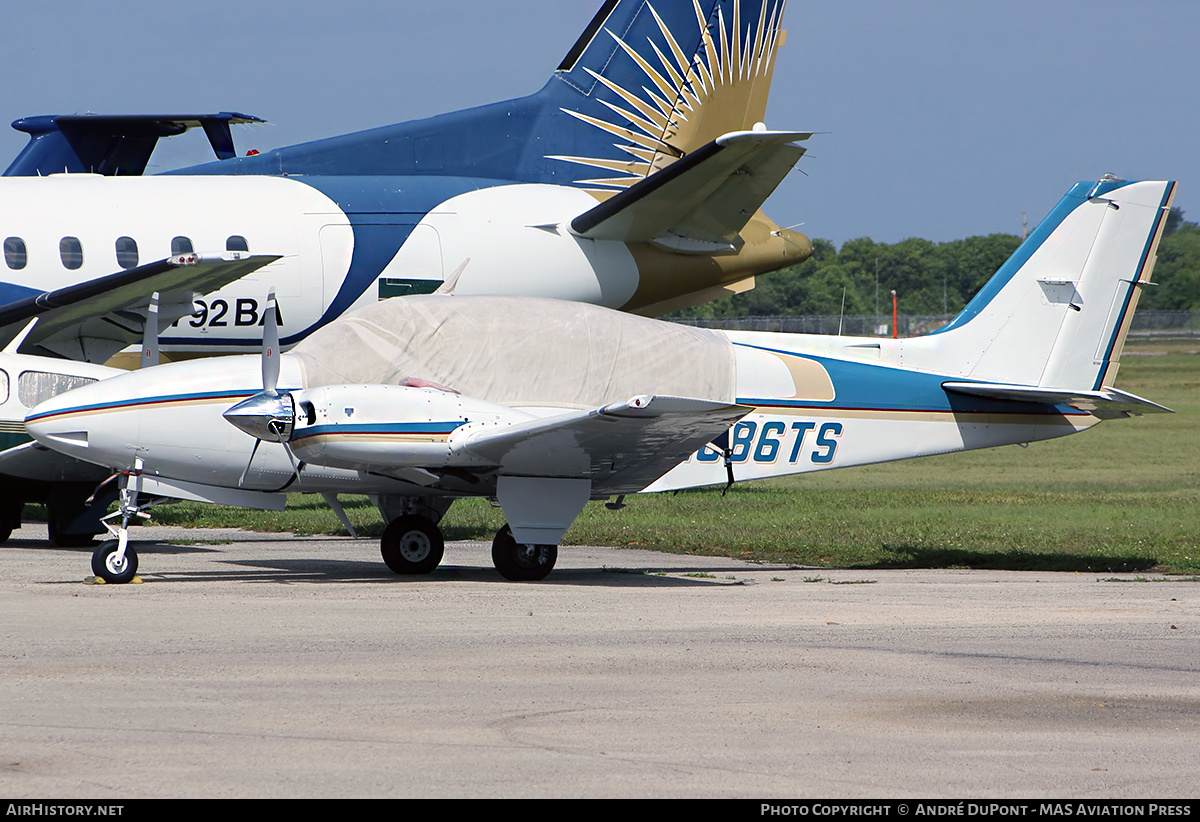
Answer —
127 256
14 253
35 387
237 243
180 245
71 252
3 386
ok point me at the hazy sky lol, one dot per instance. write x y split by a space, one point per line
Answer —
944 118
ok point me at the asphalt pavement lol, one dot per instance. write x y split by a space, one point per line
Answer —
254 665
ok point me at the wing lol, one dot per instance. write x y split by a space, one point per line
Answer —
621 448
701 202
95 319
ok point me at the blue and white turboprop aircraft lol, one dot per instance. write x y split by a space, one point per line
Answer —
632 179
423 400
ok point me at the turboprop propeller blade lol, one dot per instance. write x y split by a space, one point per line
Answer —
268 415
270 355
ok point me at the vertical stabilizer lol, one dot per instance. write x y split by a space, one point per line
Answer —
651 81
1056 313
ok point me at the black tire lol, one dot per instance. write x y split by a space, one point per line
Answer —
412 545
521 563
104 567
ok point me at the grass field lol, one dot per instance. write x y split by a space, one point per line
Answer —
1124 496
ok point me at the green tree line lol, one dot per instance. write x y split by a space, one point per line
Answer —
932 278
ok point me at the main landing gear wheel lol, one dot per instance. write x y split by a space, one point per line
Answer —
521 563
412 545
106 566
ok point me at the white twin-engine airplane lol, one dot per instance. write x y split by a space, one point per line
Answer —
542 405
633 179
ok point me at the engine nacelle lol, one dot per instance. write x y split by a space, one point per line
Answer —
361 426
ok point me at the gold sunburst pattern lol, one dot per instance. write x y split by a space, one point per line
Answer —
687 101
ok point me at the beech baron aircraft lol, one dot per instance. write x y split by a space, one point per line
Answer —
633 179
423 400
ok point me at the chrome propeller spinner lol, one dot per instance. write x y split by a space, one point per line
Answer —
268 415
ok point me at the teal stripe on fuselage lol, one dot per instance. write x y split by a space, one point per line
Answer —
382 429
866 387
236 394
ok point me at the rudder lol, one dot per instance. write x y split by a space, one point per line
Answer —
663 79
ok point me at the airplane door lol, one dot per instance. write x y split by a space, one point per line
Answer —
417 268
337 249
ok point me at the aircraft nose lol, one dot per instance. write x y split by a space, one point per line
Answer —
57 423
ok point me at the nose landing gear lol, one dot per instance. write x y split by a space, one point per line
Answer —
115 561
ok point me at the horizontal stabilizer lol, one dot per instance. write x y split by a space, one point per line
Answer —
706 197
114 145
622 447
1107 401
113 306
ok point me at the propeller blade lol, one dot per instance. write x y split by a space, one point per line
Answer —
150 334
268 415
296 465
270 355
253 451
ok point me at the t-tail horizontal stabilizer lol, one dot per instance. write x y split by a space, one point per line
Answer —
699 204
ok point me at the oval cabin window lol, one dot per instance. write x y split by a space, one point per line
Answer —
14 253
127 255
71 252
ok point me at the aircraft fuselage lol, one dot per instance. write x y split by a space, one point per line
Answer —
344 242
